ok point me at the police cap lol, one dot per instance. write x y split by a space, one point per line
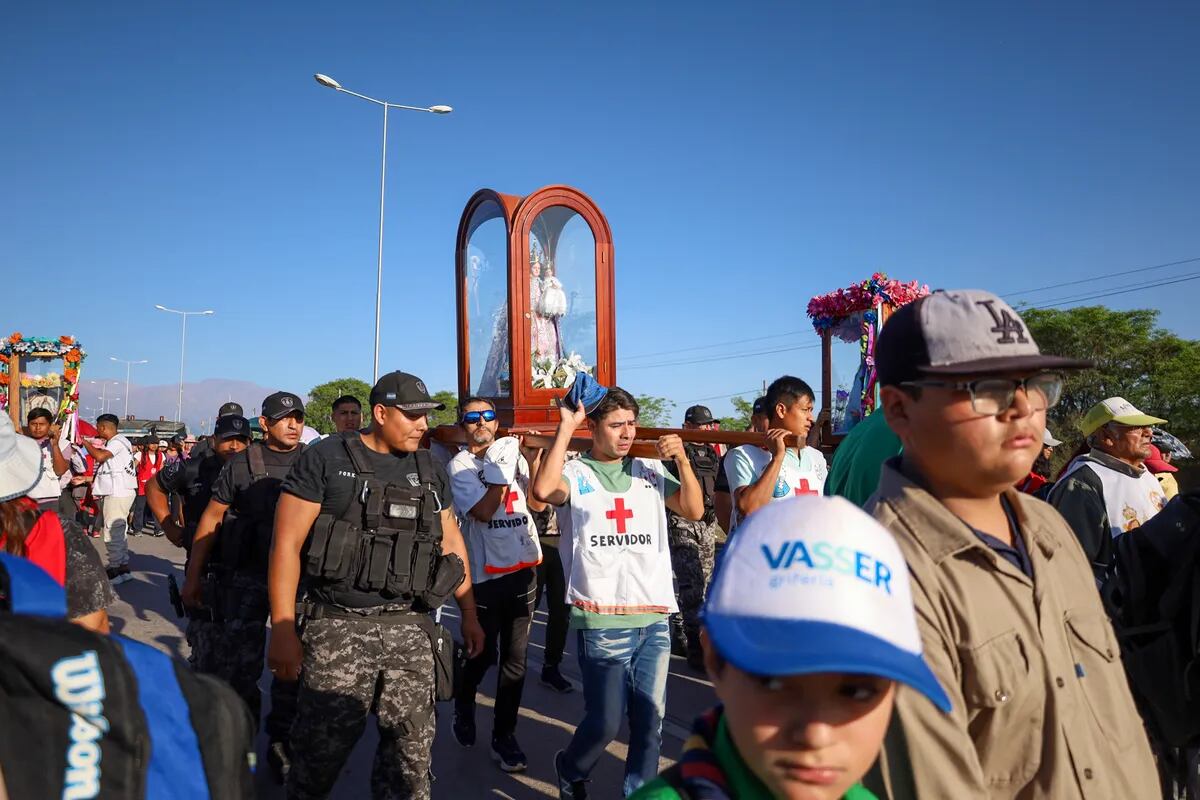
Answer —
230 410
230 427
405 392
280 404
698 415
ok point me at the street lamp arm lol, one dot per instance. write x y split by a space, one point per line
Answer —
364 97
429 110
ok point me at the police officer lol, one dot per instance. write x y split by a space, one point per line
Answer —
383 550
191 480
243 509
693 543
204 447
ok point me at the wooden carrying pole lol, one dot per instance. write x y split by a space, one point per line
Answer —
643 446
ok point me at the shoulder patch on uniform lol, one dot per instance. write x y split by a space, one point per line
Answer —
414 479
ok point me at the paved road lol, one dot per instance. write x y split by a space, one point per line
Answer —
547 718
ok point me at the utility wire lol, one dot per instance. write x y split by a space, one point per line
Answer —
1069 300
1101 277
724 396
715 344
721 358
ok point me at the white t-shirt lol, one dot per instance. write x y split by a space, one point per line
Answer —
116 477
48 486
802 473
509 540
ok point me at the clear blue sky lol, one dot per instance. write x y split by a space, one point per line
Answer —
747 156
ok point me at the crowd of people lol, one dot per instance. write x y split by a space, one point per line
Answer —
924 617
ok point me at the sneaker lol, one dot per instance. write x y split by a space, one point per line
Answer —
157 532
279 760
117 575
568 790
464 728
553 678
508 754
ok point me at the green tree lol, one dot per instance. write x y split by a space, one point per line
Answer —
320 403
1150 367
654 412
740 420
447 416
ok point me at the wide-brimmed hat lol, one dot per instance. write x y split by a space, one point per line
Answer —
20 461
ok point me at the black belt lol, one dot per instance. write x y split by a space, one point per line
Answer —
392 616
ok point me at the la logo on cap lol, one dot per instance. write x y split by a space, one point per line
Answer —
1006 324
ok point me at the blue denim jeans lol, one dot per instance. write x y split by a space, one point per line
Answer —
624 670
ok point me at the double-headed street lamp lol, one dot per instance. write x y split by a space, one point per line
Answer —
128 365
182 349
104 398
325 80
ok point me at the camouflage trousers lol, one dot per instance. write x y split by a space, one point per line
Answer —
692 546
353 667
234 648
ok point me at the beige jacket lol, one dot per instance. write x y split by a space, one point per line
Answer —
1042 708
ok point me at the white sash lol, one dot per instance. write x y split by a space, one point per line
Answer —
1128 501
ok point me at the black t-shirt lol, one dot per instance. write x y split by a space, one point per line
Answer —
325 474
192 479
231 485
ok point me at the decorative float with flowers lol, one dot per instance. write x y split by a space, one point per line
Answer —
856 313
22 389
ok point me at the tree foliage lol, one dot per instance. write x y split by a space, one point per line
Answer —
655 412
447 416
740 420
320 403
1150 367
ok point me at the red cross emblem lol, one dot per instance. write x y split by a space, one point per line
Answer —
509 499
803 488
620 513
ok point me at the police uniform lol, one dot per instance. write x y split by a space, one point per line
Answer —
693 542
374 569
250 484
191 479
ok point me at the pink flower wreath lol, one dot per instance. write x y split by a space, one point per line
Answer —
827 310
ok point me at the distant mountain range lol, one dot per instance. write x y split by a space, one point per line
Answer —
201 399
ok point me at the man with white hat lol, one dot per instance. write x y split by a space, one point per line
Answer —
1006 603
1108 490
808 629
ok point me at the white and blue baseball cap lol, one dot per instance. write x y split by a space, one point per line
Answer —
814 584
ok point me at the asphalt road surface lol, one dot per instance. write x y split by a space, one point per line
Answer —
143 612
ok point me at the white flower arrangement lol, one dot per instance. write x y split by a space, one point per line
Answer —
551 374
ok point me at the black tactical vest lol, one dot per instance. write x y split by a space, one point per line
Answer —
245 538
196 478
706 464
386 547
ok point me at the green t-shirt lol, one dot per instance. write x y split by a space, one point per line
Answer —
617 477
854 474
743 783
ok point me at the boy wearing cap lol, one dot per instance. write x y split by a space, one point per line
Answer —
617 565
808 626
757 475
1007 608
1108 490
240 517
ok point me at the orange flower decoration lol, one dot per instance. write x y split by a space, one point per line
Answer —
71 375
3 359
67 340
72 355
15 337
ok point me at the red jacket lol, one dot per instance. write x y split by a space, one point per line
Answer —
45 544
147 468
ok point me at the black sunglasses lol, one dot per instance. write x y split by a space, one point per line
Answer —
473 417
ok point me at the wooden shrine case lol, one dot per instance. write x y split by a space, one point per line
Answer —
534 282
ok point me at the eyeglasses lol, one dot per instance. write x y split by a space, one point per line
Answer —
992 396
473 417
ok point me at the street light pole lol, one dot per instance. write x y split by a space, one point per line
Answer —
325 80
128 364
182 350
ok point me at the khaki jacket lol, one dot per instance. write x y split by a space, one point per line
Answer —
1042 708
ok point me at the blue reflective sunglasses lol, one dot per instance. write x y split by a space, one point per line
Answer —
473 417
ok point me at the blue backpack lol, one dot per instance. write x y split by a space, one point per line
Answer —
90 716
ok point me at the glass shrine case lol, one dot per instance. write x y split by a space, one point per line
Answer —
534 280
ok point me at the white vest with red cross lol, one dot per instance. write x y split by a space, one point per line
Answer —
618 561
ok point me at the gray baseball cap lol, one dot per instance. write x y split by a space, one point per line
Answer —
959 332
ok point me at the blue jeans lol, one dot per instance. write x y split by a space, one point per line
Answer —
624 669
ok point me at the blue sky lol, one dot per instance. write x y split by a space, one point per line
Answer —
747 156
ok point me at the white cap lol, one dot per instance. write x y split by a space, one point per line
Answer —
813 584
1048 439
20 460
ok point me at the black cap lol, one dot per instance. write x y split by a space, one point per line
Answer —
405 392
759 406
959 332
230 410
280 404
231 425
698 415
